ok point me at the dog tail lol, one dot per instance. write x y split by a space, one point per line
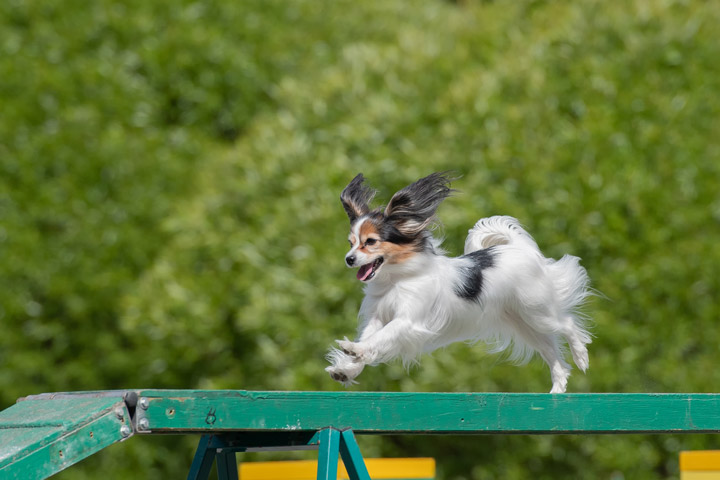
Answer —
571 283
498 230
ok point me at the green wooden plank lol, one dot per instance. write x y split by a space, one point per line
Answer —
36 422
40 437
369 412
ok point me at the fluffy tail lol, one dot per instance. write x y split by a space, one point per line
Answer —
498 230
572 287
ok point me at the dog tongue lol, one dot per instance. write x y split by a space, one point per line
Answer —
364 272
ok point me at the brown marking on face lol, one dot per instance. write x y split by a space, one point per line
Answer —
396 253
368 228
369 231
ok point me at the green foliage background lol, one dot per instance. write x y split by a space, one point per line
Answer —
169 214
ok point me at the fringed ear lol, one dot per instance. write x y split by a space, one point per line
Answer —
412 209
356 197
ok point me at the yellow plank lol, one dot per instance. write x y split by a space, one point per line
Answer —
378 468
296 470
387 468
700 460
699 475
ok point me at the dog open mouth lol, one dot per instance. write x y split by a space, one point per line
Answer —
368 270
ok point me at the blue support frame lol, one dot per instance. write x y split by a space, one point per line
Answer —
227 465
203 460
331 444
352 458
329 448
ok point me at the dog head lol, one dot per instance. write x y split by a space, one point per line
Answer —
394 234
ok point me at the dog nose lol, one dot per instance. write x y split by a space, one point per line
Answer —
350 260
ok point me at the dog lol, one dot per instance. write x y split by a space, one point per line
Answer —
502 291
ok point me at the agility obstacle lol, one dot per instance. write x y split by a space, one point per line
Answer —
43 434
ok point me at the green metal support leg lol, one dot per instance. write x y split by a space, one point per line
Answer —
203 461
329 448
227 465
351 456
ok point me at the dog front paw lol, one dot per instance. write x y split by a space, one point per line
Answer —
346 376
357 350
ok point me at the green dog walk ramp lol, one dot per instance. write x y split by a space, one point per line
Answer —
43 434
39 436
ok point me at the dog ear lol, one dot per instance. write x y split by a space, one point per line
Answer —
412 209
356 197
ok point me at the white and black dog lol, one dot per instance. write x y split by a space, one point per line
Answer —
502 290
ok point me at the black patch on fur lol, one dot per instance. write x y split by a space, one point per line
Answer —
472 277
389 233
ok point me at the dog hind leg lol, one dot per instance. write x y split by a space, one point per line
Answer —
577 339
549 350
544 342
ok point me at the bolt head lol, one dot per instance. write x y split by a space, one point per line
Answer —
144 403
143 424
125 431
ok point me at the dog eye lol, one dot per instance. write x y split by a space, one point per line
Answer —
370 241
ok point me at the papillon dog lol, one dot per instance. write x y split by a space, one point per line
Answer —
502 291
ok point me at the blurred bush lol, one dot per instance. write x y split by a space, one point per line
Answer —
169 214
